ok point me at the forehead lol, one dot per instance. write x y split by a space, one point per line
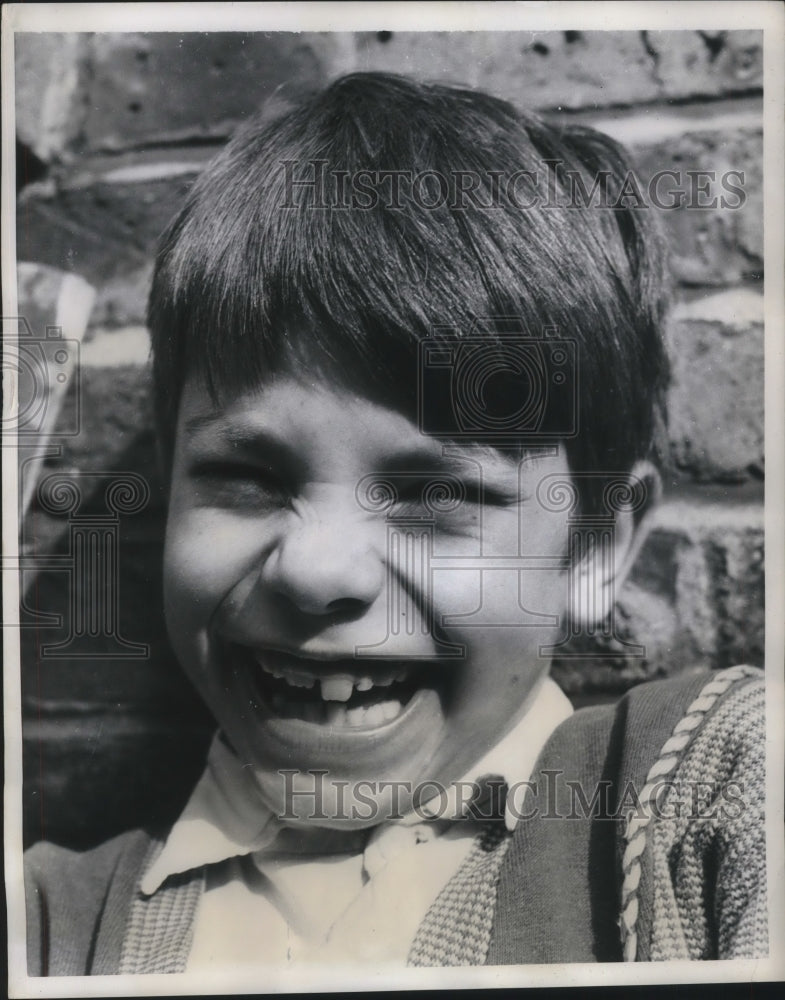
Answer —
290 403
321 423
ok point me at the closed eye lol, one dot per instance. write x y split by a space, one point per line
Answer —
433 493
239 484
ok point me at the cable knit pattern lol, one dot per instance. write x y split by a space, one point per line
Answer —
717 807
692 833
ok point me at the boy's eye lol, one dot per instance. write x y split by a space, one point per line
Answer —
240 485
418 496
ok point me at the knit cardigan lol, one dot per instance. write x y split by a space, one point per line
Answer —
641 839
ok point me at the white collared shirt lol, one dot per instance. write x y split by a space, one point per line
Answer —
269 905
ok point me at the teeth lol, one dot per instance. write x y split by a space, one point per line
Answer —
336 714
374 716
300 680
337 688
355 716
390 709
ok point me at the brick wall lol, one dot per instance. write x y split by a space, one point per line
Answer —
113 128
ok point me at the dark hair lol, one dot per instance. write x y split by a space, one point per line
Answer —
260 272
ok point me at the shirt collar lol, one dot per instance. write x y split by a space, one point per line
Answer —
225 816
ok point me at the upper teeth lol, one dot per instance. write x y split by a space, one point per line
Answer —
334 687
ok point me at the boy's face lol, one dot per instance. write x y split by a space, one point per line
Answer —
283 565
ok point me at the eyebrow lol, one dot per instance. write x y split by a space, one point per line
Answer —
234 433
416 460
204 421
259 440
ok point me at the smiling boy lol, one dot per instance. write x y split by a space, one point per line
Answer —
369 564
302 587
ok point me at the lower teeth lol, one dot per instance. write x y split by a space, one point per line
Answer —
335 713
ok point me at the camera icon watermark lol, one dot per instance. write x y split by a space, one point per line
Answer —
498 382
41 397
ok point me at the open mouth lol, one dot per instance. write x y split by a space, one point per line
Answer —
342 694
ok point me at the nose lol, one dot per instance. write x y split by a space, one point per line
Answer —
325 567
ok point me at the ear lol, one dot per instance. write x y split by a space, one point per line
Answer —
608 551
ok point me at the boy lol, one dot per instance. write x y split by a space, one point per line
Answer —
408 391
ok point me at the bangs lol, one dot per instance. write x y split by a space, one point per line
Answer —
338 236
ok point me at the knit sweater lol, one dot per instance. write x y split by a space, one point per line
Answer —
641 838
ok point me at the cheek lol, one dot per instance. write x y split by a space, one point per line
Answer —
489 590
206 556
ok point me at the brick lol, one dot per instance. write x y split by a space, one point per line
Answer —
532 69
715 403
706 63
739 594
171 87
721 243
103 225
574 69
695 599
604 665
111 91
719 572
97 671
57 681
51 71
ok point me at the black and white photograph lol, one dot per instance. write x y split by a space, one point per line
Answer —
393 496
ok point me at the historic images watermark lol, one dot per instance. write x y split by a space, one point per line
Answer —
314 184
548 795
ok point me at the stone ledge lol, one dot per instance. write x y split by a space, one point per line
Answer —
114 91
576 69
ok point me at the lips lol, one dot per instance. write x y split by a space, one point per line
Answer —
339 694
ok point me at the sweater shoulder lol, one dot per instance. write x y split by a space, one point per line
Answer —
560 888
627 737
70 894
47 861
